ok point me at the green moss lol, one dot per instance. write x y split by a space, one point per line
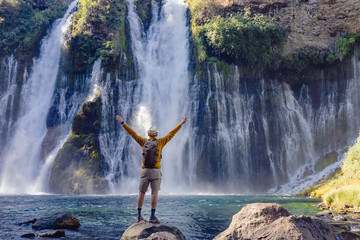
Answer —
99 31
77 167
342 190
327 160
143 8
331 58
303 59
222 65
347 43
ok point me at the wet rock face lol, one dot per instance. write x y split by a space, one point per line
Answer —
149 231
62 220
272 221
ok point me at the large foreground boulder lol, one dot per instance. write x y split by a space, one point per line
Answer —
62 220
272 221
149 231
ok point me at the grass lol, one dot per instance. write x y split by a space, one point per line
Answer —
343 190
345 197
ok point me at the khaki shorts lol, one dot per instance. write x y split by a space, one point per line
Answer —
152 176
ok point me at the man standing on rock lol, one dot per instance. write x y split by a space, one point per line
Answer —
151 158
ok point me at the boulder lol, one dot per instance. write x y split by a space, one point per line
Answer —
348 236
149 231
62 220
272 221
53 234
28 235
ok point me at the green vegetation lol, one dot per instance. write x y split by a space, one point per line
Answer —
347 43
343 189
327 160
23 25
99 31
253 39
143 8
250 39
77 167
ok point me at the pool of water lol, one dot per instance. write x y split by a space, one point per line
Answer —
107 217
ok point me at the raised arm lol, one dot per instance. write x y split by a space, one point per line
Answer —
171 134
140 140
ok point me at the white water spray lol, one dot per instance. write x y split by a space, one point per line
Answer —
22 155
161 55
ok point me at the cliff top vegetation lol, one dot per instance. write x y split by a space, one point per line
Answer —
242 31
22 25
99 30
247 37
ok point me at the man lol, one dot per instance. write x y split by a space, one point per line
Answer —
150 173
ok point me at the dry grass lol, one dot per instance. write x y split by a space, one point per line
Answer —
343 191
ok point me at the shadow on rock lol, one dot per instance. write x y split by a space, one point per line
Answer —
149 231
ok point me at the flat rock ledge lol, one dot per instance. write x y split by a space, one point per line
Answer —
149 231
272 221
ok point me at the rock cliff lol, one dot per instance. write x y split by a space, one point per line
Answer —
77 166
313 24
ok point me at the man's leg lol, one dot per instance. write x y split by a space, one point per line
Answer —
140 204
155 187
141 199
154 198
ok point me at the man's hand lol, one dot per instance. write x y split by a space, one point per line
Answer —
184 120
119 118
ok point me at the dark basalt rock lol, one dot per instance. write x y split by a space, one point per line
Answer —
33 220
28 235
348 236
62 220
54 234
149 231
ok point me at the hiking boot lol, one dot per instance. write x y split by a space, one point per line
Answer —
154 220
140 218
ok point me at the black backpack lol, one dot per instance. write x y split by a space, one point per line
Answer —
150 153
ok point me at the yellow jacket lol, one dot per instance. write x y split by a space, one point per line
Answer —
161 141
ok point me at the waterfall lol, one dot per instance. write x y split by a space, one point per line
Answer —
7 93
22 153
267 135
160 97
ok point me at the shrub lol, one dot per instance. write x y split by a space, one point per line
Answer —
250 39
99 30
347 43
23 25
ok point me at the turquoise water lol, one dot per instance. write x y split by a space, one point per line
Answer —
107 217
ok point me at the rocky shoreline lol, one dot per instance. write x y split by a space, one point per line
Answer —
253 221
345 223
57 222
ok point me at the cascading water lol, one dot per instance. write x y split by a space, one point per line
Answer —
247 135
254 135
22 154
7 93
160 97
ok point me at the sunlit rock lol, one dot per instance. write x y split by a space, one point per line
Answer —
148 231
272 221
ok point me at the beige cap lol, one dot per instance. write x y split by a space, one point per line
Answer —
152 132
